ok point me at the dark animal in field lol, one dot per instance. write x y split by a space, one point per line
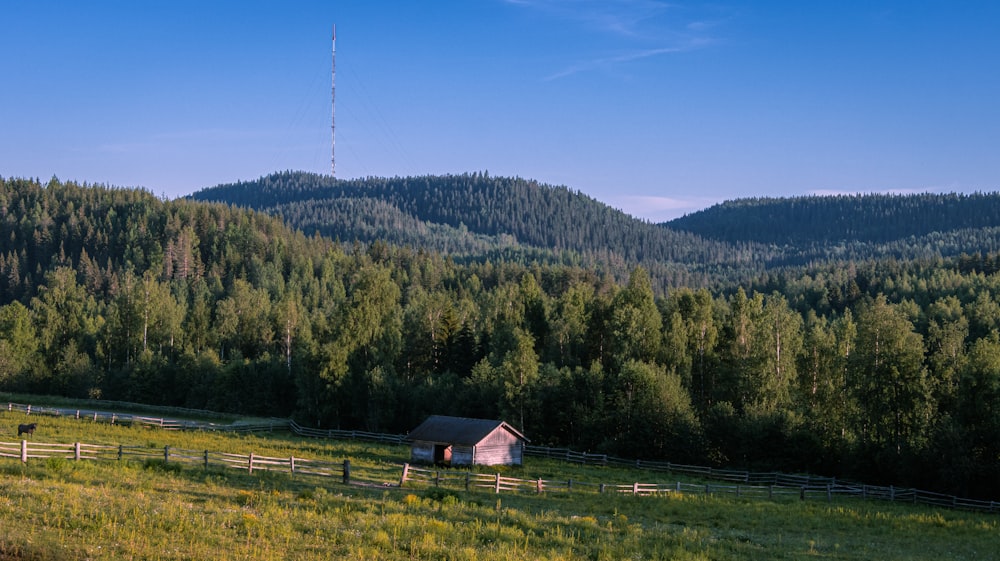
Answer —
29 429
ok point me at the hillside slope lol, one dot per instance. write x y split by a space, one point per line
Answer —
477 217
874 219
441 212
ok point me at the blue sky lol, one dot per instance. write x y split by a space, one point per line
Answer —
655 107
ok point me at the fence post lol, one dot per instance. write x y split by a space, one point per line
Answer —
206 459
468 479
121 451
538 486
829 492
635 488
78 414
28 411
24 451
291 464
406 471
166 453
76 451
569 485
497 485
250 463
892 494
437 478
347 471
602 488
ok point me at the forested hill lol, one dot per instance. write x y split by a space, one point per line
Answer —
883 371
532 214
876 219
472 214
478 217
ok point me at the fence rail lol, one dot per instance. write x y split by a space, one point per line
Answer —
736 476
498 483
152 422
746 484
386 475
346 434
27 451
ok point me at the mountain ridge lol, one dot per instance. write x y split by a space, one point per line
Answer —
872 218
473 215
507 212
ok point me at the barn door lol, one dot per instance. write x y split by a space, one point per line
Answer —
442 454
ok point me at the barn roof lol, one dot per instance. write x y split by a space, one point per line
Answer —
458 430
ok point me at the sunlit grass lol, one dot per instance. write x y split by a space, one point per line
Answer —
62 509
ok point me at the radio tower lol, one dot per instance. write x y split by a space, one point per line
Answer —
333 111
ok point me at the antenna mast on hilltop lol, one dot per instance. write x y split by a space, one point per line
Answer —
333 99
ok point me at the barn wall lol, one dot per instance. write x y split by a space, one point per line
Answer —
509 454
499 437
422 451
461 455
500 447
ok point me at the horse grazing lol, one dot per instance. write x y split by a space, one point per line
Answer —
29 429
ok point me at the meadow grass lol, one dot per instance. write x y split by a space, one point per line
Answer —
61 509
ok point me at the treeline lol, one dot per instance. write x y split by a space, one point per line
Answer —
516 209
471 215
871 218
474 217
883 371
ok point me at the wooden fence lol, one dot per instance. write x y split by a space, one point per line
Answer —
702 472
386 476
346 434
741 483
26 451
498 483
127 419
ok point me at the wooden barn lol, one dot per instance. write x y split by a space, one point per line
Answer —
462 442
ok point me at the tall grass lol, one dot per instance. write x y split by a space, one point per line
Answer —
61 509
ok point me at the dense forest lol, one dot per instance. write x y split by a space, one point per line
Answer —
474 217
886 370
872 218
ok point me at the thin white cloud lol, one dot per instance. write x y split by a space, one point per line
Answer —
643 28
624 17
607 62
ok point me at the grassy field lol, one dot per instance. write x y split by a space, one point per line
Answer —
61 509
